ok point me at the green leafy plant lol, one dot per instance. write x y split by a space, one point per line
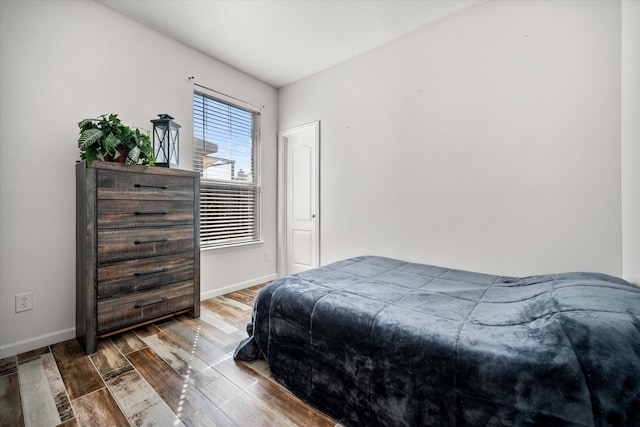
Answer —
106 138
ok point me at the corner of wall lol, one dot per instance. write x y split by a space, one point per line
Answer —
630 140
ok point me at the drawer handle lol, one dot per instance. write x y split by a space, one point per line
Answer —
161 187
139 242
145 304
145 273
151 213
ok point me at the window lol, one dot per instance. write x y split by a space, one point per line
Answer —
225 152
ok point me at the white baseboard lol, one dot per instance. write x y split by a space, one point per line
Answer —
12 349
36 342
237 286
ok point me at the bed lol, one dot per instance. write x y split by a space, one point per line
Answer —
374 341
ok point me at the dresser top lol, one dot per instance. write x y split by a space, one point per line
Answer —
152 170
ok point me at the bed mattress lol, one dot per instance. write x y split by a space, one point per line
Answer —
374 341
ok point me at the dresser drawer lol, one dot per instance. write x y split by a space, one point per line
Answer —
145 273
144 213
130 243
137 186
120 312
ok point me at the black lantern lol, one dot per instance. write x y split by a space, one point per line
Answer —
166 141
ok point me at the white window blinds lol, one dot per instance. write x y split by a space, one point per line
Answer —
225 152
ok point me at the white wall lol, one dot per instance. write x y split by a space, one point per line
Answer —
62 61
631 140
489 141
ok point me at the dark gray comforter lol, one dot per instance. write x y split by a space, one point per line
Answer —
375 341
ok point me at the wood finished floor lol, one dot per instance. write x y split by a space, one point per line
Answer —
172 373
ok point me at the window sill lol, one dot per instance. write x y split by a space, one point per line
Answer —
230 248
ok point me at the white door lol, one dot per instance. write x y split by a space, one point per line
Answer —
300 183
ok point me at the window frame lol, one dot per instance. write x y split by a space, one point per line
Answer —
209 185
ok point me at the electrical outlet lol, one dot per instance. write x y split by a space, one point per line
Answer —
266 257
24 302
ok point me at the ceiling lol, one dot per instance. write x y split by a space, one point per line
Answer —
282 41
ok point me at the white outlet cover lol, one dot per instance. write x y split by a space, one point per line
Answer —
24 302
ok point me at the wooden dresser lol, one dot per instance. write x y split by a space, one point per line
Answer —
137 247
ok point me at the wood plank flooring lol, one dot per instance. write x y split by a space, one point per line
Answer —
176 372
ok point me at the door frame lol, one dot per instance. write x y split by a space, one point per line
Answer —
282 194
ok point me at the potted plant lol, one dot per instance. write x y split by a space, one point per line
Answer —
106 138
